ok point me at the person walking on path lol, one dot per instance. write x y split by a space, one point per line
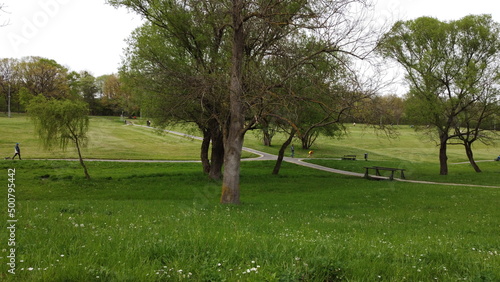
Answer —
293 150
17 151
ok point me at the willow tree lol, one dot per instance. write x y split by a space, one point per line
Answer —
450 67
59 123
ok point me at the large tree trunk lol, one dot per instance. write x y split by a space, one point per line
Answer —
217 156
233 143
470 155
281 153
205 146
443 157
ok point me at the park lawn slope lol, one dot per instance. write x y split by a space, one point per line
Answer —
405 144
161 222
109 138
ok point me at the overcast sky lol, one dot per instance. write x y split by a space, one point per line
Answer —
89 35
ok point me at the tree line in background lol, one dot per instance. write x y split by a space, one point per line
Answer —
35 76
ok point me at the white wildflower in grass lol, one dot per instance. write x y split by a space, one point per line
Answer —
30 268
62 256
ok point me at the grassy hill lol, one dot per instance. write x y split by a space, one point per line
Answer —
162 221
109 137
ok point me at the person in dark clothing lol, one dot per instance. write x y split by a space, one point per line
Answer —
18 151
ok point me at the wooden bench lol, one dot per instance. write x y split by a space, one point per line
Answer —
349 157
379 168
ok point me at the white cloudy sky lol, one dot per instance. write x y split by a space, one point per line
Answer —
89 35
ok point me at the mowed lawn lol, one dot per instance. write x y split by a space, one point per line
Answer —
109 138
162 221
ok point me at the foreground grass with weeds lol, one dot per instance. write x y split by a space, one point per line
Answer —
161 222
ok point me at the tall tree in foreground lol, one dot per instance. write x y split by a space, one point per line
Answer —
251 33
450 67
60 122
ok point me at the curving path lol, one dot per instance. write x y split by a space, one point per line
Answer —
300 161
262 156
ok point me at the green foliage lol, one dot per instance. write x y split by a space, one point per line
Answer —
43 76
57 122
448 64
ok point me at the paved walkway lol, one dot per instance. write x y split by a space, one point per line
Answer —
300 161
262 156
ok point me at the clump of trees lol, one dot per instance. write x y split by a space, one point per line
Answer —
452 69
105 95
233 66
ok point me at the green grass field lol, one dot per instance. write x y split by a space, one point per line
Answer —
162 221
